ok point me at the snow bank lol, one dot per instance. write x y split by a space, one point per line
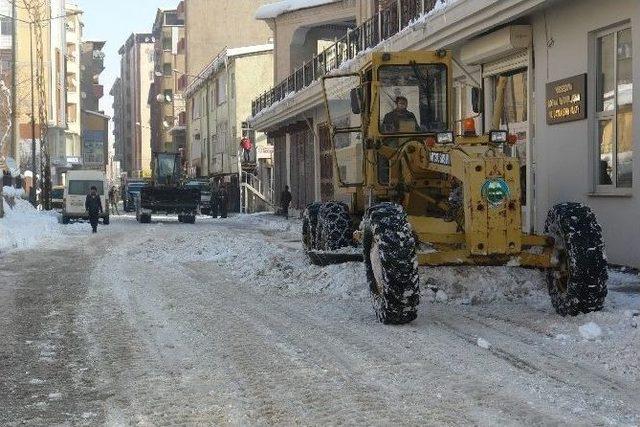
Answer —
24 227
273 10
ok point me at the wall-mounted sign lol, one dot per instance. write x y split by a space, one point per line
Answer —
567 100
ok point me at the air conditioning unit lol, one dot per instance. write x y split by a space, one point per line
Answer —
496 45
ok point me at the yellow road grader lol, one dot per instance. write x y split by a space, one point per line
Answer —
418 195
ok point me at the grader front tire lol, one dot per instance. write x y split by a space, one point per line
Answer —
391 264
579 283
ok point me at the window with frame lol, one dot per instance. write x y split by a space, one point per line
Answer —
221 89
614 112
166 41
6 26
167 69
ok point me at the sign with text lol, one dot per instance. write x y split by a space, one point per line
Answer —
567 100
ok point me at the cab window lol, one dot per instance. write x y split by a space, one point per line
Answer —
413 98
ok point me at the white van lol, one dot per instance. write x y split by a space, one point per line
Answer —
77 185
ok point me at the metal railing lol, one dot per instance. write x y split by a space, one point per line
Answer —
383 25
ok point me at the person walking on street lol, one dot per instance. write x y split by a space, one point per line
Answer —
285 200
222 200
113 200
246 145
93 206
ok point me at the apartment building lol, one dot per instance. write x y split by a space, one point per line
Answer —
52 22
136 75
211 27
118 119
95 133
7 95
69 155
219 102
579 148
166 102
91 66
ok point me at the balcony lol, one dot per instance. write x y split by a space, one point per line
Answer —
389 21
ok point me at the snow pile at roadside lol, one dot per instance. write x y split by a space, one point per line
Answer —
262 250
24 227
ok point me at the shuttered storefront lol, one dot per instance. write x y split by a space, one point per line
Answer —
279 142
302 166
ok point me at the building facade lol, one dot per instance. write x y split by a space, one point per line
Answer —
136 77
569 70
7 70
166 102
52 93
91 66
118 119
209 30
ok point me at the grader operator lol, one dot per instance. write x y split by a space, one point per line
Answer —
420 195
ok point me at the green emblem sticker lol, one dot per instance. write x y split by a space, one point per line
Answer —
495 191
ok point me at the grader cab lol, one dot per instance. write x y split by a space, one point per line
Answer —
421 195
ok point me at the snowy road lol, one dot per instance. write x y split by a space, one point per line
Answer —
225 322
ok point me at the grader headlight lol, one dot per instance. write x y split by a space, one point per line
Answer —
444 137
498 136
495 191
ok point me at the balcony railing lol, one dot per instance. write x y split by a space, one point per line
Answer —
386 23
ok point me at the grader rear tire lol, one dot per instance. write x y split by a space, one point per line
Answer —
579 284
334 227
391 264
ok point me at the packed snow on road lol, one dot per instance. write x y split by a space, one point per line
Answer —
227 322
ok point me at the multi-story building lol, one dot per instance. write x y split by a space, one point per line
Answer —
7 49
91 66
166 102
137 75
210 29
570 80
118 119
68 154
219 100
95 134
52 24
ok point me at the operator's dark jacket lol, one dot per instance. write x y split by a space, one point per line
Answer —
391 121
93 205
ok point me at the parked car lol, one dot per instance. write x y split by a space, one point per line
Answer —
205 194
57 197
131 192
78 183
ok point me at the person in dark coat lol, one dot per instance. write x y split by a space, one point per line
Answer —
93 206
393 119
285 201
223 197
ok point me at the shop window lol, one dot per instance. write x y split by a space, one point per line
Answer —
614 115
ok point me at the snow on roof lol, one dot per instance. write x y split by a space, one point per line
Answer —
273 10
219 61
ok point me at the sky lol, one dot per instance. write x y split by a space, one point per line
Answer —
113 21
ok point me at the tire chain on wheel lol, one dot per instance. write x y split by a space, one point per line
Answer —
310 225
334 230
582 235
386 224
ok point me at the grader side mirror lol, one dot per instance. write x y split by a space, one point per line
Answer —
356 101
476 96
